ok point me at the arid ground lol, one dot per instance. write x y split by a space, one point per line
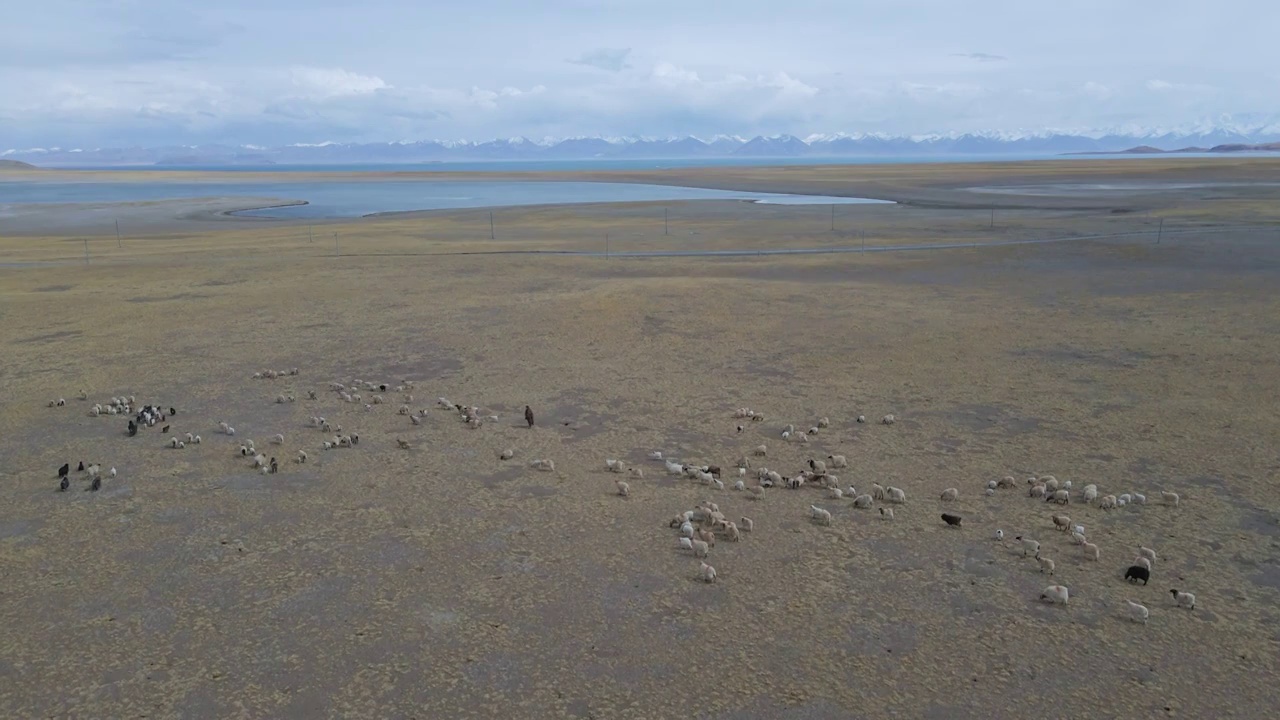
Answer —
443 582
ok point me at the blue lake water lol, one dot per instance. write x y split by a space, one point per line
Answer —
339 199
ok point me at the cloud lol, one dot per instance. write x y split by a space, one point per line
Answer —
334 82
610 59
981 57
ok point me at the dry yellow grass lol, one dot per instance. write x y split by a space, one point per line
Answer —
443 582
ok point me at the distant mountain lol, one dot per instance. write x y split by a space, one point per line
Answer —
16 165
1223 148
967 145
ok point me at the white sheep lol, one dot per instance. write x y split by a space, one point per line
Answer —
802 438
1078 538
1169 498
1148 553
1029 546
824 422
1061 522
195 440
111 473
835 493
1045 564
404 410
863 501
950 494
992 484
1091 550
717 483
862 418
1078 529
1090 493
655 455
1144 562
888 419
885 513
708 573
280 399
685 543
1056 594
999 535
1037 491
822 516
302 456
762 450
1108 502
1139 499
545 465
1138 613
614 465
686 528
896 495
755 492
1006 482
838 461
190 437
813 430
1184 599
277 439
636 472
1061 497
623 488
877 491
746 523
731 532
1050 483
173 442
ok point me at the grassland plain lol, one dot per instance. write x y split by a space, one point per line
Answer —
441 582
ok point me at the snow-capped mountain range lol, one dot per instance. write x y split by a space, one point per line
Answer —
839 145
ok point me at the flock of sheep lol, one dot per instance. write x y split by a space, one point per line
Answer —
700 526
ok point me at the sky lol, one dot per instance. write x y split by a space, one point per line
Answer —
118 73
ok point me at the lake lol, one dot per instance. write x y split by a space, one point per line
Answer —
340 199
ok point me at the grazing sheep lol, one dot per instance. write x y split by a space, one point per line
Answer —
761 451
1006 482
717 483
1090 550
862 419
740 485
1000 535
173 442
1056 594
545 465
277 439
838 461
280 399
822 516
756 492
824 422
1078 538
655 455
1061 522
802 438
835 493
1090 493
708 573
895 495
992 485
635 472
1029 546
1137 572
746 523
404 444
863 501
888 419
1144 562
1139 499
1169 498
1138 613
951 519
885 513
818 467
1184 599
623 488
1050 483
877 491
950 494
1148 553
1061 497
1037 491
813 430
111 473
1045 564
674 468
83 395
731 532
614 465
700 548
1108 503
302 457
404 410
685 543
686 529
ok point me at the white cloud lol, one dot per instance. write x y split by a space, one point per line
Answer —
152 72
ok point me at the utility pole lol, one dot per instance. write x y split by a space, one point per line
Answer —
335 244
490 224
606 246
833 217
86 251
118 234
1160 232
310 237
664 222
993 216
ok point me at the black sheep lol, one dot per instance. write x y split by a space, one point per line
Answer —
97 484
133 428
1137 572
80 467
528 415
62 471
951 519
66 483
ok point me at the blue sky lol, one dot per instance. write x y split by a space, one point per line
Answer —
78 73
